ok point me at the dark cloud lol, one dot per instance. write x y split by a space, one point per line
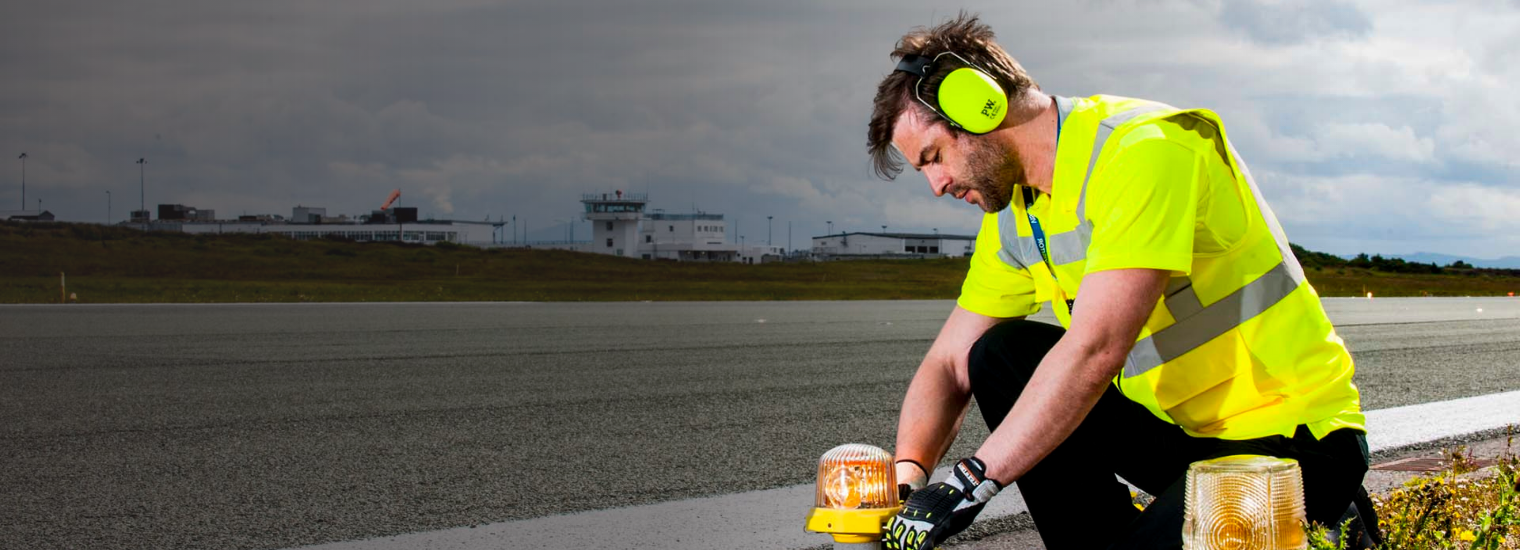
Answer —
751 108
1294 21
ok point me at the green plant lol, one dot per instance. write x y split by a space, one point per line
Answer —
1319 537
1460 507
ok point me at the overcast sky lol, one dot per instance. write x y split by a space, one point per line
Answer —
1382 127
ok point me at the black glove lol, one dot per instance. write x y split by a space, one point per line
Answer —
903 492
941 510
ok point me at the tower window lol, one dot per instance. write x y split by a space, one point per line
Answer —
609 227
609 242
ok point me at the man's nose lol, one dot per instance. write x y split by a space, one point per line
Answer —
939 180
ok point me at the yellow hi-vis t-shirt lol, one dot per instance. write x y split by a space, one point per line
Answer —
1158 204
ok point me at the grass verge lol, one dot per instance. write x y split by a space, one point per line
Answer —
119 265
1461 507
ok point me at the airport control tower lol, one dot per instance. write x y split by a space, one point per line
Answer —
614 221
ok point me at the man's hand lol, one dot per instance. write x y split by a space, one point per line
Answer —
941 510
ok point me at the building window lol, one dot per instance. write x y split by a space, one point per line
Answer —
609 227
934 250
609 242
672 228
908 249
648 238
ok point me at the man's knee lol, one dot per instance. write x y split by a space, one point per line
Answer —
1009 352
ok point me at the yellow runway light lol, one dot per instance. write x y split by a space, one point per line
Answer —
1244 502
856 494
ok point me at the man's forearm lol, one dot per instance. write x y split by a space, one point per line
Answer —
931 414
940 392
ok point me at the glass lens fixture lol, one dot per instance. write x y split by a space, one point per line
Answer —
856 476
1244 502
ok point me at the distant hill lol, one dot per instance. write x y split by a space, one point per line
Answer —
1414 263
1507 262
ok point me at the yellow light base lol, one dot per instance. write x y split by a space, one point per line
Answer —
861 525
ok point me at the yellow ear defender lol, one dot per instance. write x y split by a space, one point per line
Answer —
969 98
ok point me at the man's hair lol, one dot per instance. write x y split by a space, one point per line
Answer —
969 38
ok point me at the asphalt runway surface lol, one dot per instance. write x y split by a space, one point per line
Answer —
270 426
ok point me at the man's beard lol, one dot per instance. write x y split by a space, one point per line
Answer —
992 170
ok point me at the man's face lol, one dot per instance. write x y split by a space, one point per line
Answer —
977 169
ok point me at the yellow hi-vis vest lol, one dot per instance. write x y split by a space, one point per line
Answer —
1239 346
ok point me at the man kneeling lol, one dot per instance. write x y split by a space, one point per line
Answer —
1197 335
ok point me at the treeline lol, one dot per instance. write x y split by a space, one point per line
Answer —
1377 262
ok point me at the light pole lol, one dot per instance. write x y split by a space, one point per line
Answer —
142 192
768 230
831 226
23 180
108 207
883 229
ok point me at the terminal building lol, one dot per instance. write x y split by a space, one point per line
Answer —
180 212
853 245
697 237
620 226
310 223
26 215
417 233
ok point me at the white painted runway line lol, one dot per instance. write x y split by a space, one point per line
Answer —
1403 426
773 518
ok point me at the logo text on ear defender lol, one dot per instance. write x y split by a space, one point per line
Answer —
991 109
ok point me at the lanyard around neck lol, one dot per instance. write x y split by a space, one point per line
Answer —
1039 234
1039 242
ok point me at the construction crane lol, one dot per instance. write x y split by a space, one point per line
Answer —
394 195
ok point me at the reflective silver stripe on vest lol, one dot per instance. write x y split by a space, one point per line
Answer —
1067 246
1018 252
1194 325
1208 323
1180 298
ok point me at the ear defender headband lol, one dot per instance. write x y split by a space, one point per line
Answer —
969 98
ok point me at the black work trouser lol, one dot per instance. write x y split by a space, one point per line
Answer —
1072 494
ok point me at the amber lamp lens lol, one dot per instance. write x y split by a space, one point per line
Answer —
856 476
1244 502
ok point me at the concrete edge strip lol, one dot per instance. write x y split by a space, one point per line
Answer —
773 518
